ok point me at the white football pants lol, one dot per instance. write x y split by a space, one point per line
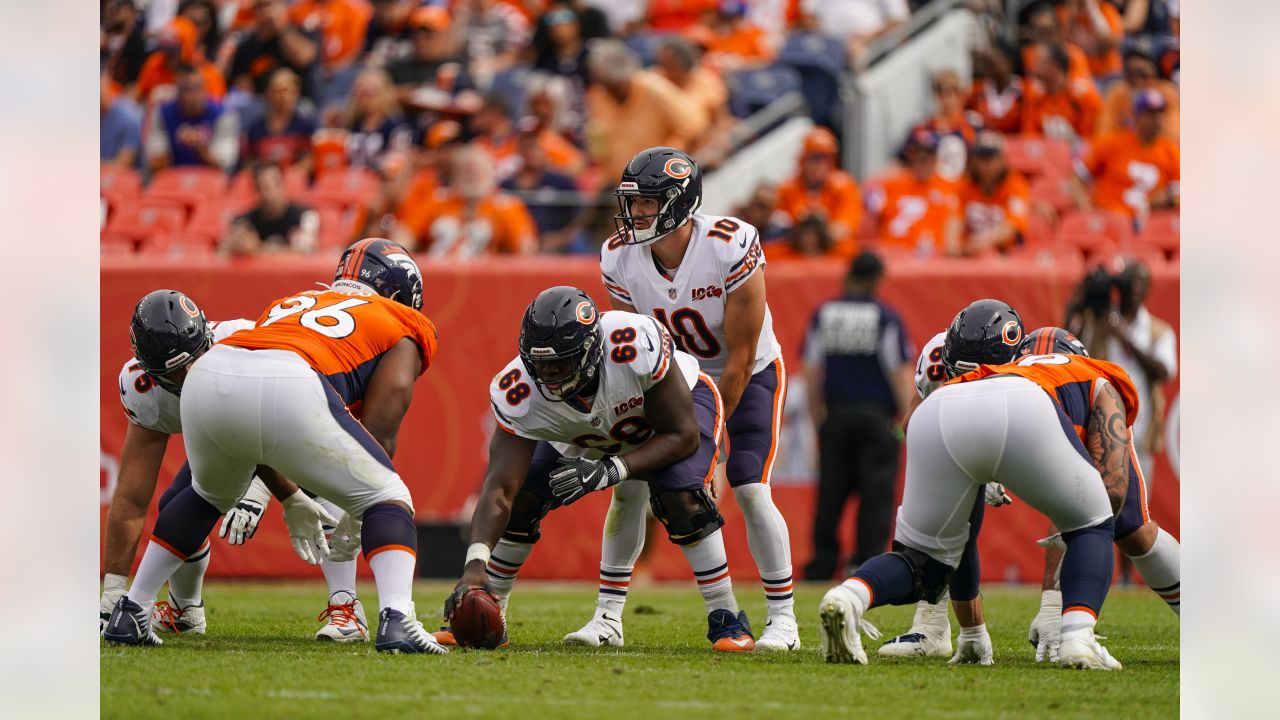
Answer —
1005 429
242 408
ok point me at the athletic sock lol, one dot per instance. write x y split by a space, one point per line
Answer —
340 576
504 565
187 582
1160 569
711 569
158 563
390 542
770 545
621 544
182 528
1078 618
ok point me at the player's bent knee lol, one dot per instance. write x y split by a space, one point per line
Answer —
1139 541
525 522
688 515
388 525
932 577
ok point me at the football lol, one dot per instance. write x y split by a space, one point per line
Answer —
477 621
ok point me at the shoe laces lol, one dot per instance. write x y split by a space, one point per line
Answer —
343 614
868 629
168 615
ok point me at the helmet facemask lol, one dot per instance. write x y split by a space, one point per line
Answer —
662 223
172 372
562 376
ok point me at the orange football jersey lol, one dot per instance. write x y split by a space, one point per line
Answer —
1079 27
1126 172
839 201
341 333
342 25
447 225
1009 202
914 214
999 110
1064 115
1068 379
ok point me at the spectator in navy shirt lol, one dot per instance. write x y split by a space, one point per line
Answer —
858 365
193 129
373 120
120 128
281 135
553 199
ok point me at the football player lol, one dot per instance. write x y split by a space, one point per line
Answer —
167 331
597 400
930 633
701 277
1006 424
279 395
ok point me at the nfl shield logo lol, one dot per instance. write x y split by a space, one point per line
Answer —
595 422
672 293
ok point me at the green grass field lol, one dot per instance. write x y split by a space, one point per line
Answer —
259 660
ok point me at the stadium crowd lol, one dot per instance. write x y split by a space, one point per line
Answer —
461 128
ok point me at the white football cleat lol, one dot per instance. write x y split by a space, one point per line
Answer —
169 617
1080 650
603 629
346 620
929 636
841 620
780 634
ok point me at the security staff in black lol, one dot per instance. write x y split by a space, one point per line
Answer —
858 365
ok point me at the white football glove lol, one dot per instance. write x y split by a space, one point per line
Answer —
241 522
1046 628
995 495
113 588
306 520
344 542
973 647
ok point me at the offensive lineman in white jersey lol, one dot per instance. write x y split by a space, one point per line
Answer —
153 408
593 401
701 277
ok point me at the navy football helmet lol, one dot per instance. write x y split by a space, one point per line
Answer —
561 342
384 266
664 174
1050 340
987 332
168 332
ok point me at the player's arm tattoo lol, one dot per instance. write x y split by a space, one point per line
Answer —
1108 441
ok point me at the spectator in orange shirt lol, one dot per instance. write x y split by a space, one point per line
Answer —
678 63
341 24
730 41
997 95
270 43
917 209
667 16
469 218
1095 27
948 122
492 129
630 109
1045 31
1140 73
548 97
1057 107
994 199
204 16
177 45
820 189
1133 171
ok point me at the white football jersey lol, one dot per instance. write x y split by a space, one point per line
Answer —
148 404
638 352
929 371
723 253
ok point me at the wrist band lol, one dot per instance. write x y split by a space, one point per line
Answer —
477 551
620 467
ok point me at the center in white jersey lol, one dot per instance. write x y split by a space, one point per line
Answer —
723 253
148 404
638 353
930 374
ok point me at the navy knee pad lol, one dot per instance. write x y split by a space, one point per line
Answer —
527 511
1086 568
388 525
965 581
688 515
185 523
931 577
180 482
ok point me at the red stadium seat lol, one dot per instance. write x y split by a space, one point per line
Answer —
192 246
337 228
144 220
1097 222
120 184
190 186
1162 230
1051 254
113 245
1033 156
352 186
1039 230
1090 244
242 190
213 218
1054 190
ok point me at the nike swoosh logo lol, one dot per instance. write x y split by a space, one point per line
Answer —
605 616
346 631
648 343
740 642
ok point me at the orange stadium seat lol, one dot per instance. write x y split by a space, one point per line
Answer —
1097 222
119 184
1053 190
1039 230
192 246
1162 230
113 245
1091 244
1051 254
142 220
352 186
1034 156
190 186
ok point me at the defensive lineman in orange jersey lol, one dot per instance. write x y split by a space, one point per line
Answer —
280 395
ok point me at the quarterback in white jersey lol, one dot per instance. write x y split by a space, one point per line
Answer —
154 412
597 400
702 276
